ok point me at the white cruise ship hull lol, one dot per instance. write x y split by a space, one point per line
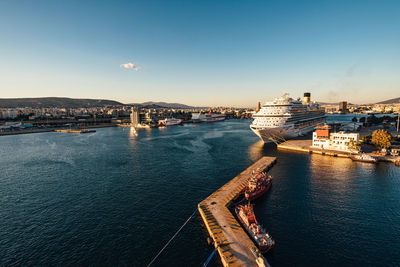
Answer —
283 133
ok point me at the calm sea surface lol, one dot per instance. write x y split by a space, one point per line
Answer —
116 196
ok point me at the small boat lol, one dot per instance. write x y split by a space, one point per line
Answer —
364 158
207 117
246 216
258 185
170 122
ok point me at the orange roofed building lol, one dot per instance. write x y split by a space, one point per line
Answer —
323 138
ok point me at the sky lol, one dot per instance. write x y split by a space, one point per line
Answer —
201 53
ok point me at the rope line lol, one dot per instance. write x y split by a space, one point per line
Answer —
210 257
169 241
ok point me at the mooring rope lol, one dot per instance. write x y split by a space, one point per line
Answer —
169 241
210 257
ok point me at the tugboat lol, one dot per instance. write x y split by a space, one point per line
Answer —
364 158
246 216
258 185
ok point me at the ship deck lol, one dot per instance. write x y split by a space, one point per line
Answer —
232 242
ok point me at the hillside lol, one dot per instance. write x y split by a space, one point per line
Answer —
165 105
48 102
390 101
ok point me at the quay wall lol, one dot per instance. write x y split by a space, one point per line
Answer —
305 146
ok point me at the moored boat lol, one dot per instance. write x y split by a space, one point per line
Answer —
207 117
246 216
364 158
258 185
170 122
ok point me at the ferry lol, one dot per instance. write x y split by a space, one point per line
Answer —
258 185
246 216
364 158
285 118
170 122
207 117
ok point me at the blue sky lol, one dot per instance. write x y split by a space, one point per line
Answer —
201 52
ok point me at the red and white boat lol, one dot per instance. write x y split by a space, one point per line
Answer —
207 117
170 122
258 185
246 216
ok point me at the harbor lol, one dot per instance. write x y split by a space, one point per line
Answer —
136 205
234 246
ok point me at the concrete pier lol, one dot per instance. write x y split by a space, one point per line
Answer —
79 131
305 146
232 242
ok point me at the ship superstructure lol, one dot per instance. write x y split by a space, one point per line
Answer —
285 118
258 184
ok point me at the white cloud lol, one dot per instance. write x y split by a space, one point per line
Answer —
130 66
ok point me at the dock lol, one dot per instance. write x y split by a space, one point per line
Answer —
305 146
234 246
80 131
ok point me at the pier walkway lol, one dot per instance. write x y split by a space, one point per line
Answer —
232 242
305 146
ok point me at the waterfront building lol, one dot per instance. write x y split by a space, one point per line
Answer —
343 107
342 141
8 114
135 119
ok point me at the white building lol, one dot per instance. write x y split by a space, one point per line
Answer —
8 114
324 139
135 119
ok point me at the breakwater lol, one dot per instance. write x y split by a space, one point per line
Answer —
231 241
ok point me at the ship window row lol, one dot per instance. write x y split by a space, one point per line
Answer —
269 120
269 124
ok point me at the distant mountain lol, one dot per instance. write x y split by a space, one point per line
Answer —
49 102
166 105
390 101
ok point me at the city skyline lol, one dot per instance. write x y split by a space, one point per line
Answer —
201 54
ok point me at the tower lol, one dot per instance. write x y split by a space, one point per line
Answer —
343 107
135 117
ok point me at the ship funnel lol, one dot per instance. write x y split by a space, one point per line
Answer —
307 98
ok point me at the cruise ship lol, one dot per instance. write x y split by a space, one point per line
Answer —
285 118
